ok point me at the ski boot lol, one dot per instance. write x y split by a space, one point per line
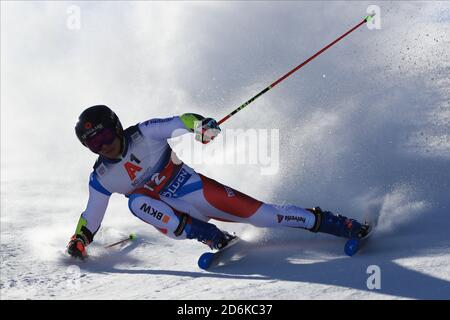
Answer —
207 233
341 226
338 225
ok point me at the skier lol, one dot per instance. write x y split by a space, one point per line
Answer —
169 195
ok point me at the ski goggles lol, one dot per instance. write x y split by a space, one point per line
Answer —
104 136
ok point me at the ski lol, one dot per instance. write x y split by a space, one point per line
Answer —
354 245
210 259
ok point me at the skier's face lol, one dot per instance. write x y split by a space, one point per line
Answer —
112 150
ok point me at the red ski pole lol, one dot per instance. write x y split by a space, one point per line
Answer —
366 19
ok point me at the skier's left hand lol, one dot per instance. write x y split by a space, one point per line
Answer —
207 130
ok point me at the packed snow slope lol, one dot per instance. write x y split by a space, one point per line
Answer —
364 128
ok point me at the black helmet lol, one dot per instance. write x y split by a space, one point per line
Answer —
95 119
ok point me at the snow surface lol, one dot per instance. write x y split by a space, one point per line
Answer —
364 128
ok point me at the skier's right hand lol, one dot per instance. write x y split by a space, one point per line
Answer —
77 247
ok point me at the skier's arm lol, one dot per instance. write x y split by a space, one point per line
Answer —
162 129
205 129
90 220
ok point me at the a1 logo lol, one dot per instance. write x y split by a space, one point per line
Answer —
132 168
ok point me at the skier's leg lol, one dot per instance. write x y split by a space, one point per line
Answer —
312 219
174 223
203 198
217 201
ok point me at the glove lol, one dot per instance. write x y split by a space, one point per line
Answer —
77 246
207 130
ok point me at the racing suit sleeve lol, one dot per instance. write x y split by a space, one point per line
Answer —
161 129
92 217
